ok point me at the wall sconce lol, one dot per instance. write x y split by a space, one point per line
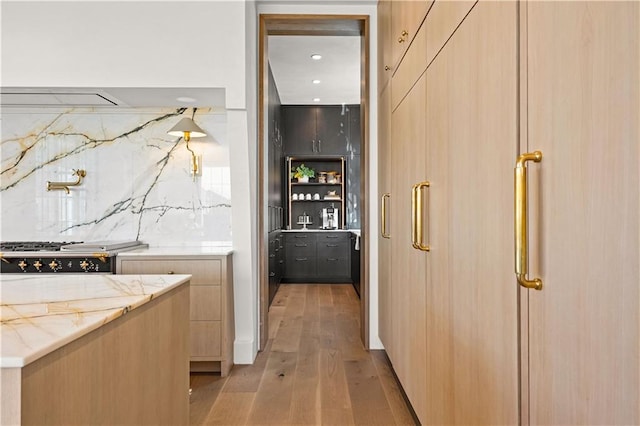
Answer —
187 129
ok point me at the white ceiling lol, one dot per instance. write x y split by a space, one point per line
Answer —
291 64
338 70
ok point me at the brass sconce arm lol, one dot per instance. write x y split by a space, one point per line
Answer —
65 185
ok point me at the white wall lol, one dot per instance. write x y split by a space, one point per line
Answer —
302 7
175 44
125 44
151 44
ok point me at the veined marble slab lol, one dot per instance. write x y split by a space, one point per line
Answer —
138 184
41 313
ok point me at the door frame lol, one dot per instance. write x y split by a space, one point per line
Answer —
318 25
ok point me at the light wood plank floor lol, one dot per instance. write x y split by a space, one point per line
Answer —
314 370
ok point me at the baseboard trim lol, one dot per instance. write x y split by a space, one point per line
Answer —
243 352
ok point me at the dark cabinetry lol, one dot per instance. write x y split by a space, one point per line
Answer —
276 262
300 257
333 256
328 130
317 257
355 262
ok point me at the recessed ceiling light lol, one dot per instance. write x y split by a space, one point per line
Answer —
185 99
316 99
316 57
316 81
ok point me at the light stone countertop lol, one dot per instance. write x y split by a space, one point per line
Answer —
214 250
41 313
353 231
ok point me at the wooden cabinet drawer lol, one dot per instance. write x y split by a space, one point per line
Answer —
205 339
204 272
205 303
211 302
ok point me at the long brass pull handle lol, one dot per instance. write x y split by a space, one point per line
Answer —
383 219
521 222
417 226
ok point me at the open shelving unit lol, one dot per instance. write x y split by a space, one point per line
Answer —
319 192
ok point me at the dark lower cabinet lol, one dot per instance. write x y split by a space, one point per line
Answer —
276 262
300 260
315 257
355 263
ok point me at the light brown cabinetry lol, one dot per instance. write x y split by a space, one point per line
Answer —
385 252
583 81
406 18
468 104
211 303
398 24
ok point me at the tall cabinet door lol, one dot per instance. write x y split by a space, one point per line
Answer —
472 317
409 265
583 115
385 199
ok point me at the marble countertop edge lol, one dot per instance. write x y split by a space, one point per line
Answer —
27 354
179 251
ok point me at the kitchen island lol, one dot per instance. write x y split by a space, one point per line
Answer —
94 349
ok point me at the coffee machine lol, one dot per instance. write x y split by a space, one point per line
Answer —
330 217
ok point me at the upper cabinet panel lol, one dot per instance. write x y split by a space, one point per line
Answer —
321 130
406 18
299 130
385 61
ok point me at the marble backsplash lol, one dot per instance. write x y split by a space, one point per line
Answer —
137 185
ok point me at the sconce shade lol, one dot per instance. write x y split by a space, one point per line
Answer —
187 128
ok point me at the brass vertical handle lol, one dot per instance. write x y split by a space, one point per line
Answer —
417 225
521 221
383 208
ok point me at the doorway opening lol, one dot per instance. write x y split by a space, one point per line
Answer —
273 170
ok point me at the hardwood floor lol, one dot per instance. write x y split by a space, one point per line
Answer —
314 370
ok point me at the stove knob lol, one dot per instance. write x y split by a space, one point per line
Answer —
84 265
54 265
23 265
37 264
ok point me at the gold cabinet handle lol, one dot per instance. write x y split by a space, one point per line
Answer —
417 226
387 67
521 222
383 219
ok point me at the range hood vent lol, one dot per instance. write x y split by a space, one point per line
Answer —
88 99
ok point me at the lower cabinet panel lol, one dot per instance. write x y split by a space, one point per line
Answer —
205 339
317 257
211 325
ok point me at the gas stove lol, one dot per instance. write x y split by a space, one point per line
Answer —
62 257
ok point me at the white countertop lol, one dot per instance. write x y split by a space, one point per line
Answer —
180 251
41 313
353 231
